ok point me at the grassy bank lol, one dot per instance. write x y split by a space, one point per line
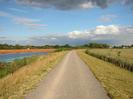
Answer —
15 85
120 57
11 67
117 81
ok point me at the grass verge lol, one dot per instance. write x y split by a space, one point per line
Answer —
117 81
16 85
10 67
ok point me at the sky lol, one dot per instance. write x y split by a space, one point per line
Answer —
75 22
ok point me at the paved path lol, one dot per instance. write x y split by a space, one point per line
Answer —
70 79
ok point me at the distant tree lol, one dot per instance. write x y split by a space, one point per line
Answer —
56 46
66 46
85 45
98 45
17 46
46 46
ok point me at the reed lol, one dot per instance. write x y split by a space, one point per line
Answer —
115 59
11 67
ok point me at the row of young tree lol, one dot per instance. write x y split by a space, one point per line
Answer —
89 45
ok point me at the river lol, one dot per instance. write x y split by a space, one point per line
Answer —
11 57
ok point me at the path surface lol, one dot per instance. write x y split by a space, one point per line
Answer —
70 79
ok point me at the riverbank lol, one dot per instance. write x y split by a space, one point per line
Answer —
10 67
17 84
25 50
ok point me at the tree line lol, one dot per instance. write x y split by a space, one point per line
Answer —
17 46
66 46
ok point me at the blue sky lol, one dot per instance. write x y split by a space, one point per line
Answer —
40 22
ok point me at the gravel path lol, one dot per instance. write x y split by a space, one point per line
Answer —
70 79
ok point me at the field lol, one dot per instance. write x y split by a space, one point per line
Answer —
117 81
123 54
25 50
120 57
17 84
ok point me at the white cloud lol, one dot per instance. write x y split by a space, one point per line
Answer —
99 30
86 5
79 34
107 18
53 38
129 29
75 34
110 29
17 10
113 34
5 14
31 24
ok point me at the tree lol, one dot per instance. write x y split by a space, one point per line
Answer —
98 45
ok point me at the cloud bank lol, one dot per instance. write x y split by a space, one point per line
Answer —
72 4
112 34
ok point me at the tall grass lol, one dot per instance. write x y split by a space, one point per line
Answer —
16 85
10 67
109 56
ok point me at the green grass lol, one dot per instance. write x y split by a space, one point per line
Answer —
120 57
17 84
10 67
122 54
117 81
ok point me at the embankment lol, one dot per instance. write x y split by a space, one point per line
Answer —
17 84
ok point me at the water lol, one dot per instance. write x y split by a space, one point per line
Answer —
11 57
